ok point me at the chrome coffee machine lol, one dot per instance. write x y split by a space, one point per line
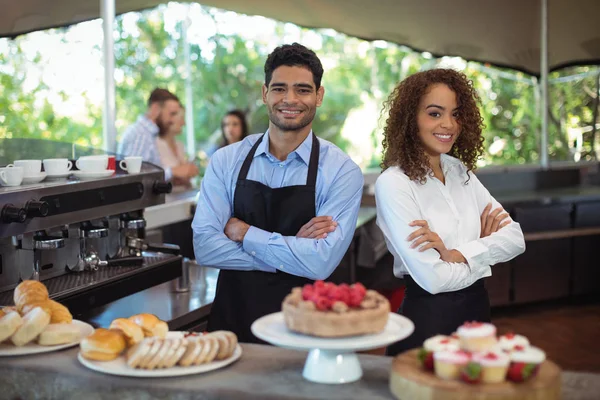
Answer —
83 237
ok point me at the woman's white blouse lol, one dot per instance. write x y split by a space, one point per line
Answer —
452 211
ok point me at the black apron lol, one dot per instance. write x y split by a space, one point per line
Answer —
244 296
440 313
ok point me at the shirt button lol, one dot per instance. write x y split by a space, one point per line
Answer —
281 267
253 253
281 165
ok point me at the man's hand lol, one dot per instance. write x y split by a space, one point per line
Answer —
493 221
185 171
236 229
317 228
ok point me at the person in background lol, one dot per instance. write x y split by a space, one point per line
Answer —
171 151
140 138
234 128
441 224
276 210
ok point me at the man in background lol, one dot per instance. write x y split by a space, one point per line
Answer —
140 138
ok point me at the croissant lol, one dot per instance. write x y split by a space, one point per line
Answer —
44 305
60 314
29 292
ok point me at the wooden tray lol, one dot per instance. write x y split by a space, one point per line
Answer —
409 381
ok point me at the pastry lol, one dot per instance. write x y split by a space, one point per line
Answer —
433 344
29 292
525 363
327 310
151 325
56 334
494 365
9 323
103 345
34 322
60 313
448 364
477 336
511 341
133 333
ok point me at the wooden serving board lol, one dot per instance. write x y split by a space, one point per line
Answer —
409 381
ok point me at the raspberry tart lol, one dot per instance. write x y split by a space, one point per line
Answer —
329 310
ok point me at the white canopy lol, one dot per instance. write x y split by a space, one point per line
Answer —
504 33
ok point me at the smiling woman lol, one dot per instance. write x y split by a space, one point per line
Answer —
436 216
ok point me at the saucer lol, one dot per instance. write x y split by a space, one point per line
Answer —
35 178
93 175
59 175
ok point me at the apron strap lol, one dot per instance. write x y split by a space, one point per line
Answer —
246 166
313 166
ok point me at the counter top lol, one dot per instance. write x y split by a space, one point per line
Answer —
549 196
263 372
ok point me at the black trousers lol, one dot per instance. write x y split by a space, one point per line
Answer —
440 313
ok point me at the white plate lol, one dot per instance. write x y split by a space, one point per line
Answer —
34 348
35 178
119 367
93 175
271 328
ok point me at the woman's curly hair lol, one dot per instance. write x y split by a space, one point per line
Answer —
401 144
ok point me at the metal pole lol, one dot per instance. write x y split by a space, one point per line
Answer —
189 100
107 11
544 85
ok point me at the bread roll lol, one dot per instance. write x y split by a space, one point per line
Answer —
44 305
29 292
34 322
151 325
56 334
103 345
133 333
60 314
9 323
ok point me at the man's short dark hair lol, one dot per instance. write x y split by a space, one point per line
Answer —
294 55
160 95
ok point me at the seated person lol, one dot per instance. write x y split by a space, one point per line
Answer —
140 138
234 128
171 151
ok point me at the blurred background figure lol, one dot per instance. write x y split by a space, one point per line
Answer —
234 128
171 151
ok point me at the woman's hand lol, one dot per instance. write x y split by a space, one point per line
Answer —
493 221
432 241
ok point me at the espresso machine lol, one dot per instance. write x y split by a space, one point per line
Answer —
84 239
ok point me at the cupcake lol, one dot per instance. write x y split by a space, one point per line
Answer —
525 363
477 336
511 341
433 344
448 364
494 365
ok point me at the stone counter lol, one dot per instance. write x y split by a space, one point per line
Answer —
263 372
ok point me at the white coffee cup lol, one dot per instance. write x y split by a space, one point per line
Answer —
92 163
11 176
30 167
57 166
132 165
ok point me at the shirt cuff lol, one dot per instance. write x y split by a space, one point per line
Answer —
168 174
256 241
472 252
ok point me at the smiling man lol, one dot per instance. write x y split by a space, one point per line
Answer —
276 210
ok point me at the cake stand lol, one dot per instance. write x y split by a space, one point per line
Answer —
330 360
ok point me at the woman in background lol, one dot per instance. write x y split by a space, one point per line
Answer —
171 151
234 128
441 224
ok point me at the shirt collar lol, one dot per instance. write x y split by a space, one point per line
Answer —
303 151
148 124
448 163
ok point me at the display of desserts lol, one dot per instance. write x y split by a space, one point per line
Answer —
144 342
36 319
477 355
327 310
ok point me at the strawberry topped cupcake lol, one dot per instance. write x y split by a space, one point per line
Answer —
494 365
448 364
511 341
525 363
477 336
433 344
